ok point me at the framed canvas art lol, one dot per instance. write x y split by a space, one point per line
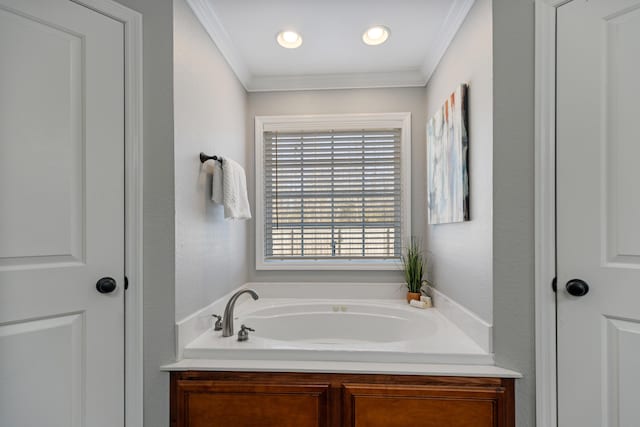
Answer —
448 161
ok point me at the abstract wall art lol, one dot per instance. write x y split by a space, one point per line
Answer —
448 161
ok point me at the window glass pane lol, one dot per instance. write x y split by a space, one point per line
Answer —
333 194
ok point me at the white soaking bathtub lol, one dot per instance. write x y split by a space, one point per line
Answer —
331 323
343 330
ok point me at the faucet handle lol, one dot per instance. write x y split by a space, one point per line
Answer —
243 333
218 324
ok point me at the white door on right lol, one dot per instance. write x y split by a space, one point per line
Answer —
598 213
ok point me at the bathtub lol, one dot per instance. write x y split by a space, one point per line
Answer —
342 330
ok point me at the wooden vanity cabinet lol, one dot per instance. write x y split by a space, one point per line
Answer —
258 403
265 399
418 405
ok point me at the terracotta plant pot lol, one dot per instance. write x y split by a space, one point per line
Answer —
413 295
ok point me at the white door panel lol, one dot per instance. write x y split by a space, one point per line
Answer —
620 130
598 207
54 208
621 373
61 215
58 344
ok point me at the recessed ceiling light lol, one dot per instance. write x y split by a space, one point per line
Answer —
375 35
289 39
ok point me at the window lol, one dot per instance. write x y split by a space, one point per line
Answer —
332 191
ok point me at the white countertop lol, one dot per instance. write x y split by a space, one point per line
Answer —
341 367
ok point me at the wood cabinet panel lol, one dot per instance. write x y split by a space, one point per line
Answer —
228 404
366 405
247 399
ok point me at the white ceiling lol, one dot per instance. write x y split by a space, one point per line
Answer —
333 55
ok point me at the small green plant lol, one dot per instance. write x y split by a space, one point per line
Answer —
413 265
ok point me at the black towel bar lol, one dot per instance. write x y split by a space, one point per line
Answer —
204 158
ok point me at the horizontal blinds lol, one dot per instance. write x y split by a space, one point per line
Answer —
333 194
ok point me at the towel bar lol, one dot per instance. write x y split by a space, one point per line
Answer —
204 158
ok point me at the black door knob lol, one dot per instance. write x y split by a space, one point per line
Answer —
577 287
106 285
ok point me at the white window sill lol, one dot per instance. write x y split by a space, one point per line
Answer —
323 264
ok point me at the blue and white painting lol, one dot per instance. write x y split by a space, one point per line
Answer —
447 161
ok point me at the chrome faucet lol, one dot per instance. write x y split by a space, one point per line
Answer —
227 319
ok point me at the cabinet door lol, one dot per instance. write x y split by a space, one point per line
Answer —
375 405
236 404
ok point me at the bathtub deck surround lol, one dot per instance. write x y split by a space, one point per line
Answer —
344 330
329 366
330 322
470 323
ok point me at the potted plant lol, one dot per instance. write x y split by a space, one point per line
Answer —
413 266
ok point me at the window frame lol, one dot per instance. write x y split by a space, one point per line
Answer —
320 122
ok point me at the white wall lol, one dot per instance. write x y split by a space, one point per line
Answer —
210 113
158 205
460 254
338 102
513 197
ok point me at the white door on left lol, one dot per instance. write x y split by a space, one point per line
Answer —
61 215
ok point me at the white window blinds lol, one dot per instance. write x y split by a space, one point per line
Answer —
332 194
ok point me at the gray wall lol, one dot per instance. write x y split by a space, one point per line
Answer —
210 113
512 190
338 102
494 52
513 197
158 205
460 254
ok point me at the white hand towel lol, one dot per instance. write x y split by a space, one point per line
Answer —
213 167
234 184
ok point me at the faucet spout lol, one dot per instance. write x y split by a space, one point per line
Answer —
227 320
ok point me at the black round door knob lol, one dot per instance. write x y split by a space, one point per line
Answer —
577 287
106 285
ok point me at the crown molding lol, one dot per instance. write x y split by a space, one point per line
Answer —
411 78
209 20
256 83
450 27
